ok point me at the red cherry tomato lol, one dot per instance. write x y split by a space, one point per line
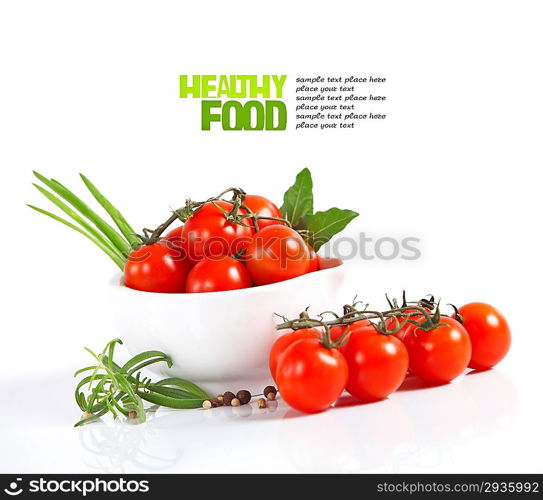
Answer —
377 363
215 275
207 233
489 333
174 241
285 340
175 234
328 262
311 377
338 331
153 268
313 260
391 322
441 354
276 253
263 207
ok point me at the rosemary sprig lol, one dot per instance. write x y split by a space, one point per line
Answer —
122 389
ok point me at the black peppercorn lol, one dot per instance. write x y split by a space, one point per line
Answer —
227 398
244 397
270 392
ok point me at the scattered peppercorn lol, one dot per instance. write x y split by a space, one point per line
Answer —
206 405
214 402
262 403
220 398
227 398
235 402
132 414
86 414
244 397
270 392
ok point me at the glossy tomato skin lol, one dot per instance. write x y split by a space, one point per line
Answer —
174 241
310 377
438 355
216 275
337 331
377 363
207 233
276 253
400 334
263 207
313 260
489 333
280 345
175 234
153 268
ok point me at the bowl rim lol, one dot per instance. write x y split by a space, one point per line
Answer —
117 282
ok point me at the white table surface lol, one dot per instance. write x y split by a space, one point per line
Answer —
456 164
459 427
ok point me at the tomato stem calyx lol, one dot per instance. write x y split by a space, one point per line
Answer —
457 316
418 314
237 215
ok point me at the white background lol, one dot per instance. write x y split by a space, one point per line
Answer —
93 87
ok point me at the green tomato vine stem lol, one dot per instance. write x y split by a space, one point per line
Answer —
402 315
149 237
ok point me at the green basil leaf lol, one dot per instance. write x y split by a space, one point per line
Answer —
298 199
322 226
301 225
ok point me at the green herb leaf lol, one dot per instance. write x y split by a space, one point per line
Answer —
170 391
106 248
123 410
114 213
93 418
81 383
77 218
110 350
87 368
116 239
322 226
147 357
185 385
298 199
169 402
114 389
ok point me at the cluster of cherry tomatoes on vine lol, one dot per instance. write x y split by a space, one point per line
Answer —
318 360
223 245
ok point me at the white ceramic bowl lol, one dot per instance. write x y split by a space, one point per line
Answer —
219 340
